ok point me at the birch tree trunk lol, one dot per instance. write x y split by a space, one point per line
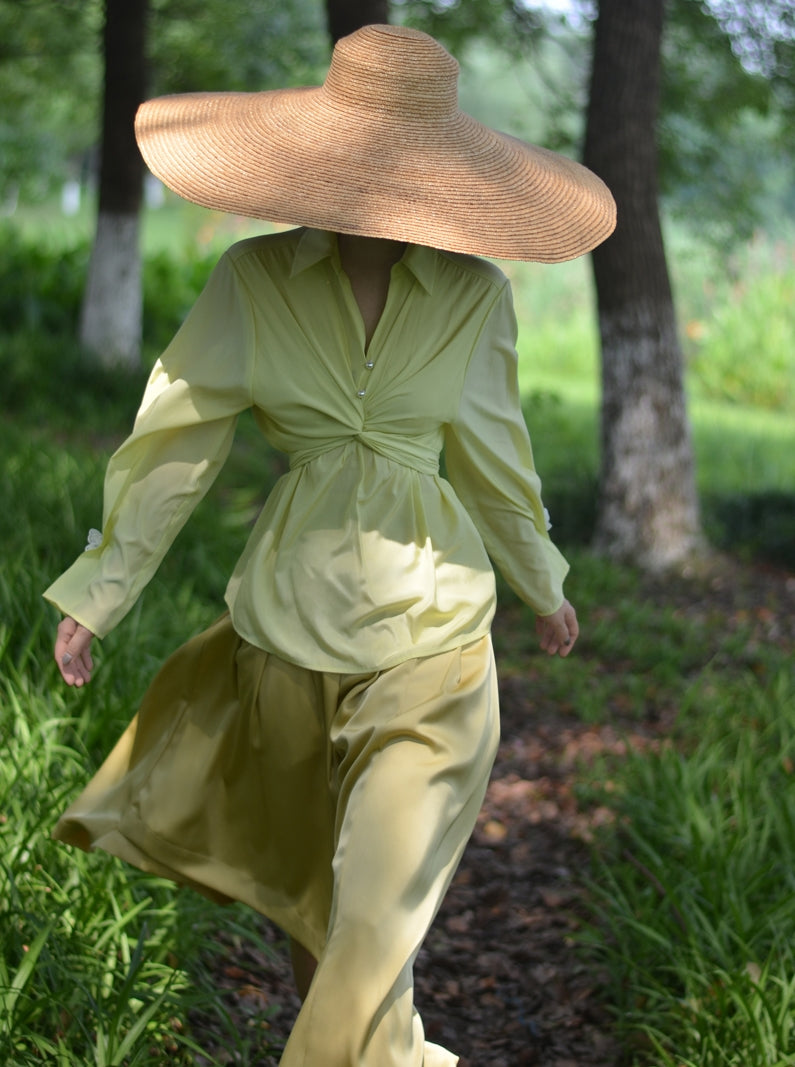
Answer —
110 322
648 508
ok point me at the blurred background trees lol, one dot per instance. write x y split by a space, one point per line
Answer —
727 83
715 141
112 309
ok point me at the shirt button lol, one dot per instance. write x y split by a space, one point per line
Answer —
369 364
361 393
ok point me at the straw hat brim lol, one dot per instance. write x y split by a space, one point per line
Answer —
300 156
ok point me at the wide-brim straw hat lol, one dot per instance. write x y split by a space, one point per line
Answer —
380 149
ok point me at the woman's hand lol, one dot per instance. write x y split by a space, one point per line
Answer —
73 652
558 632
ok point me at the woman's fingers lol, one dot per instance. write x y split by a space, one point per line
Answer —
73 652
558 632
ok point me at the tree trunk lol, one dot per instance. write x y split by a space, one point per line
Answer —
648 508
345 16
112 304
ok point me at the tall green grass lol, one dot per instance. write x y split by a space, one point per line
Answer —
696 885
99 964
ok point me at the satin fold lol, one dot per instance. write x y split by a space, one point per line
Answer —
337 805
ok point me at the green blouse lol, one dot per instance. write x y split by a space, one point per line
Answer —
363 555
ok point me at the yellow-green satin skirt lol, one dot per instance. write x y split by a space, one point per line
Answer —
338 805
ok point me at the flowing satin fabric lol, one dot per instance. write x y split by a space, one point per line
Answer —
363 556
338 805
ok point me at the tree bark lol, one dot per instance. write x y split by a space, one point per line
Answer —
111 314
345 16
648 507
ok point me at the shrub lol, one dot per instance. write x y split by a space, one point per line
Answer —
744 349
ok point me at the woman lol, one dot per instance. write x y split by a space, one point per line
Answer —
322 751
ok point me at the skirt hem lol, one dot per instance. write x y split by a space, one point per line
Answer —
141 847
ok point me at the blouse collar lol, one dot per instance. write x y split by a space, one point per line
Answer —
316 245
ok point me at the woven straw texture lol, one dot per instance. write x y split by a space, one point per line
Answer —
380 149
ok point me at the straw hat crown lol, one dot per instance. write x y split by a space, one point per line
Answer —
380 149
417 80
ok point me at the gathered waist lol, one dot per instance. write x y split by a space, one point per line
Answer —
357 559
416 455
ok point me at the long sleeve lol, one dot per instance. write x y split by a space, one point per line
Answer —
490 465
180 440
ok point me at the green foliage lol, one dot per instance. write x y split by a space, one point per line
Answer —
40 296
243 45
743 350
51 72
513 26
762 33
758 524
724 151
43 368
39 291
170 290
637 658
745 434
524 70
539 100
50 77
696 889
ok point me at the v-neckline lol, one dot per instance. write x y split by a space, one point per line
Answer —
366 343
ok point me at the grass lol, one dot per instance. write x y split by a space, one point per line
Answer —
178 228
694 884
100 965
696 890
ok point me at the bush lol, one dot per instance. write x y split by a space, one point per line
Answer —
759 524
170 290
48 377
45 371
40 290
743 350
